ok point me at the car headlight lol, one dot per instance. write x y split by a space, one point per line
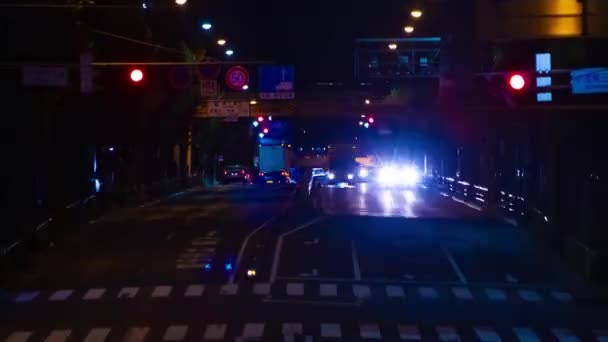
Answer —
331 175
363 173
410 176
387 175
350 176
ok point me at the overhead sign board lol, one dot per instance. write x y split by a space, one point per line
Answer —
227 109
589 81
45 76
276 82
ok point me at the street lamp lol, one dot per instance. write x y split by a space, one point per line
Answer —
181 2
245 87
367 101
221 42
416 14
206 26
392 46
253 102
408 29
229 52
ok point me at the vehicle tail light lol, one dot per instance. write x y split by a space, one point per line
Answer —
225 172
261 173
243 172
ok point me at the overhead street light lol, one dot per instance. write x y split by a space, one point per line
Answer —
367 101
253 102
229 52
416 13
181 2
392 46
245 87
206 26
221 42
408 29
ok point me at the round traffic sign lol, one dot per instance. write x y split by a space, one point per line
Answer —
237 77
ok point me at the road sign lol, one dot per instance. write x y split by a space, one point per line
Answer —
589 81
237 77
86 73
45 76
231 110
208 88
276 82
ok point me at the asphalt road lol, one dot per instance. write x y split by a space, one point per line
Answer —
359 263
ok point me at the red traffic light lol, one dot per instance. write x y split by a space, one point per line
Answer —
260 118
370 120
136 75
265 130
517 82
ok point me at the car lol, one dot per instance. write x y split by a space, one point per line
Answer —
274 177
236 173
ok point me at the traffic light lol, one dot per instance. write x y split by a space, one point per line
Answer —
517 82
370 120
265 130
136 75
260 118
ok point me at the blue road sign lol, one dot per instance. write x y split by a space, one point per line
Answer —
276 82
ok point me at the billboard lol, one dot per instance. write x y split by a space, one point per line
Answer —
276 82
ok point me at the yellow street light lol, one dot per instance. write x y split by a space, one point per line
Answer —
181 2
221 42
416 13
253 102
392 46
408 29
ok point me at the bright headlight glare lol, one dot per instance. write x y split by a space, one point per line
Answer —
387 175
350 176
363 173
331 175
410 176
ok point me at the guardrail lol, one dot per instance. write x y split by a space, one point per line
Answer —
85 210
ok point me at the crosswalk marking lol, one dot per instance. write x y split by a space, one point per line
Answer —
214 332
128 292
60 295
462 293
26 296
328 290
58 335
428 292
229 289
487 334
19 336
253 330
136 334
295 289
331 330
161 291
496 295
175 333
93 294
565 335
261 289
97 335
525 335
447 333
529 296
561 296
395 291
361 291
195 290
370 331
290 329
409 333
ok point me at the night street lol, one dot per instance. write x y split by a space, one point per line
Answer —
361 268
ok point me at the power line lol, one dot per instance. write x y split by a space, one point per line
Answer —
136 41
73 6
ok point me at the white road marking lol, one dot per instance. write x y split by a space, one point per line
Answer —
229 289
60 295
370 331
93 294
136 334
361 291
97 335
331 330
462 293
447 333
195 290
295 289
128 292
261 289
279 246
328 290
525 335
454 265
409 332
428 292
487 334
565 335
356 268
58 335
529 296
26 296
239 257
470 205
496 295
253 330
290 329
395 291
214 332
562 296
19 336
161 291
175 333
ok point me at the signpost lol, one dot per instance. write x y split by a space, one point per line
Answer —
39 76
229 110
589 81
276 82
237 77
